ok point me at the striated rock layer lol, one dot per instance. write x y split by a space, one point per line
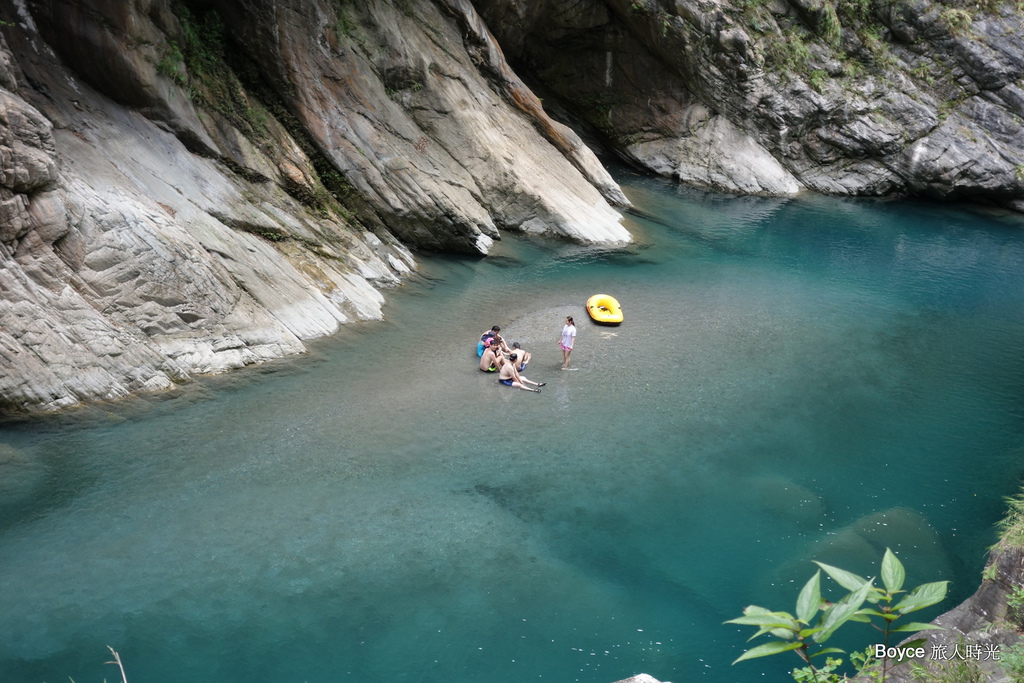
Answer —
904 97
192 187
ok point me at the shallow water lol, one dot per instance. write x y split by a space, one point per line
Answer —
795 380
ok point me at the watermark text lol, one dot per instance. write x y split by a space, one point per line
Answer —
974 651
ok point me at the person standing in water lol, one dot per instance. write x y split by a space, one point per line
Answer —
567 341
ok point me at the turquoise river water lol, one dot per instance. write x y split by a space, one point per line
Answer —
798 379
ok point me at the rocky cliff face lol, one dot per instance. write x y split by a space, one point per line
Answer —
192 187
853 97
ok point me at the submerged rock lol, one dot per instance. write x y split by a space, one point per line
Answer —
787 500
21 477
859 546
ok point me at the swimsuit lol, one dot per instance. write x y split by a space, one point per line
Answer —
506 382
522 367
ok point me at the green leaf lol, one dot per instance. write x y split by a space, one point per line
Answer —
925 595
753 610
847 580
828 651
867 611
809 600
772 620
772 648
893 573
918 626
757 616
841 612
784 633
779 624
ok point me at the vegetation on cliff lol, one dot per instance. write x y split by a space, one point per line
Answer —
863 97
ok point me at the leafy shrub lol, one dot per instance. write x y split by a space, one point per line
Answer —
1015 607
817 79
957 20
816 619
829 27
172 64
789 53
1012 662
855 11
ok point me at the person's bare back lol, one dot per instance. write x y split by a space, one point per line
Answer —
524 356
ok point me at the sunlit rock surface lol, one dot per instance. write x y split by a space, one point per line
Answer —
172 205
640 678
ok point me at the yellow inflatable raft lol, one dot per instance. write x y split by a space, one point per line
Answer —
604 309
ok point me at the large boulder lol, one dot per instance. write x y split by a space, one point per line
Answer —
858 547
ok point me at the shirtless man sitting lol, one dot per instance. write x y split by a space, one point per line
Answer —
482 344
492 358
509 376
489 335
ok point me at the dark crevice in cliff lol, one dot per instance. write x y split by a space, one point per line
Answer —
572 114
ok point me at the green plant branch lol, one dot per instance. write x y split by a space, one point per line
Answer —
816 619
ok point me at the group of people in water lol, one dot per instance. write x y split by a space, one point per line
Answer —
510 361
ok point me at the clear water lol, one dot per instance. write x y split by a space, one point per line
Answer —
812 378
